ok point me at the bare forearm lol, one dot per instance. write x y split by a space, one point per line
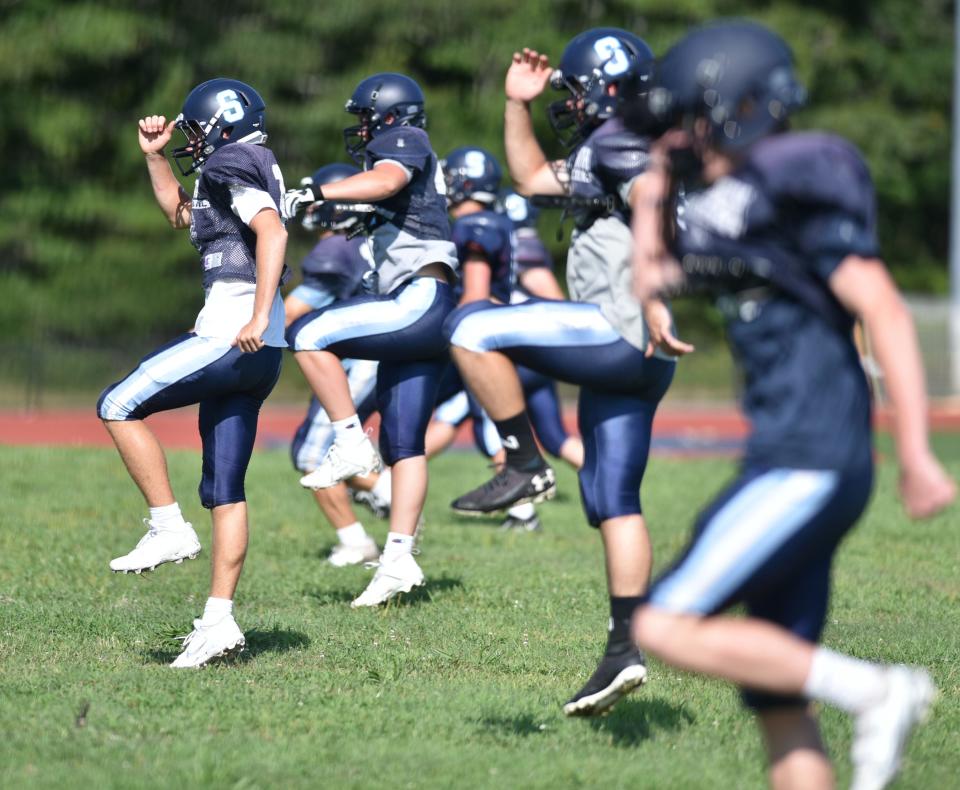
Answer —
542 283
895 347
271 248
525 157
369 187
651 261
173 200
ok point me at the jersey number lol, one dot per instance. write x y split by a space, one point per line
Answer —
609 47
230 108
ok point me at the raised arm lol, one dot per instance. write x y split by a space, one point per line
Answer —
154 133
865 288
532 174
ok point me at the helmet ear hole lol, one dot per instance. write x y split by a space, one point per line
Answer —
226 133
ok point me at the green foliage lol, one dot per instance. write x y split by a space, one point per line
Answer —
85 255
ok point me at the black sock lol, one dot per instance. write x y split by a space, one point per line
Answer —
621 612
518 442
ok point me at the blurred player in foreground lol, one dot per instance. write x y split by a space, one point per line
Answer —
229 362
781 226
598 341
333 270
400 325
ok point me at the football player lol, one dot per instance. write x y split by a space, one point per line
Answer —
400 325
333 270
533 261
598 341
487 246
781 227
229 362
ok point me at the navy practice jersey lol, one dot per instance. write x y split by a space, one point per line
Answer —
420 208
604 165
418 231
226 244
767 238
336 265
489 235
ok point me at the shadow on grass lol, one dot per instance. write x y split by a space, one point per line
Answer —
630 723
523 725
633 721
258 640
327 596
476 522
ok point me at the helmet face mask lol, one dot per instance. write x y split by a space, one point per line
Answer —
356 137
567 116
217 112
382 102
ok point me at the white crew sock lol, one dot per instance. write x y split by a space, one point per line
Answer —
524 512
167 517
216 609
382 489
848 683
397 544
352 535
348 431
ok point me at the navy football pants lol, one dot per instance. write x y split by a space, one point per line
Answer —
403 331
230 387
620 387
768 541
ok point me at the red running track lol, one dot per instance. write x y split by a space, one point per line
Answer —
678 429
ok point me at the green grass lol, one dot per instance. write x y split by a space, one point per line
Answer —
460 686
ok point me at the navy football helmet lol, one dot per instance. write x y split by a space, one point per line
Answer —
737 75
471 173
591 63
217 112
381 102
520 211
323 215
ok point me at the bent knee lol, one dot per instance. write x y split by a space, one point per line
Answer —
109 409
472 327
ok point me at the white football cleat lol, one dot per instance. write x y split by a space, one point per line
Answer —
399 575
881 731
157 547
207 642
343 555
343 462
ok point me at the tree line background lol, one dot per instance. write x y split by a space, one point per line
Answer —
87 258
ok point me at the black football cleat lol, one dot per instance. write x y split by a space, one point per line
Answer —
507 488
615 677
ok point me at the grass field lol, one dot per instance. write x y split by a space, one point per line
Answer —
458 686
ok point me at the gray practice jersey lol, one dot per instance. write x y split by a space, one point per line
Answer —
598 263
418 231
